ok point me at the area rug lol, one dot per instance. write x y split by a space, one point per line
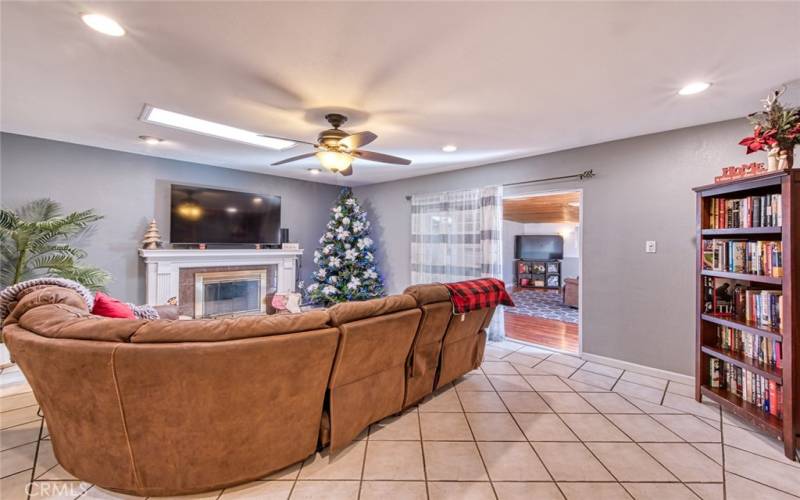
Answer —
542 304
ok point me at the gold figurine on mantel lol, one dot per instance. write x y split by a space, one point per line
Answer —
152 238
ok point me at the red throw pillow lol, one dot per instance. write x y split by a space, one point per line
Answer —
111 307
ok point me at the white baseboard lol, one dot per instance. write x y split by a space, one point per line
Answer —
644 370
5 356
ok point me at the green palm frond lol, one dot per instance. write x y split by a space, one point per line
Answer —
35 241
51 261
39 210
8 220
91 277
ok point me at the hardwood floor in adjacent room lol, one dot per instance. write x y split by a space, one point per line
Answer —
544 332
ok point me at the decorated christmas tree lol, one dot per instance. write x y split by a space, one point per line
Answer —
346 264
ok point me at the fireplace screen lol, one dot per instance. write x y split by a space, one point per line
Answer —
230 293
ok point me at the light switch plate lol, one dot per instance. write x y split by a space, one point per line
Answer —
650 246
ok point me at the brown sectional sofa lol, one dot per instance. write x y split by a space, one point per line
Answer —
175 407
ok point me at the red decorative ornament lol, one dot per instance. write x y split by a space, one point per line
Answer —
759 141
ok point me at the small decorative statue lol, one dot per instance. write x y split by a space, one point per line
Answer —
784 161
152 238
286 302
772 158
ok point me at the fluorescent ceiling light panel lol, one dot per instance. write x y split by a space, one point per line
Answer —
694 88
103 24
185 122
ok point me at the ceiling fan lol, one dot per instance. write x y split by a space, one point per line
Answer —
336 149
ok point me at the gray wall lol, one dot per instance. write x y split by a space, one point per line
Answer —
510 230
637 307
130 189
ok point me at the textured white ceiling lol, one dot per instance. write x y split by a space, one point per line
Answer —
500 80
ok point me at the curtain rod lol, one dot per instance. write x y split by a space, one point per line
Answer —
588 174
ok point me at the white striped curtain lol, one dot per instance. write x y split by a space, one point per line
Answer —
456 236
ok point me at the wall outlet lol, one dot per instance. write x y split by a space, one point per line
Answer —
650 247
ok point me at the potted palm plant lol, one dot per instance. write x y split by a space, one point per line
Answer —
37 240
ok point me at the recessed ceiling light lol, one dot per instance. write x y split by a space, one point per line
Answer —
231 210
694 88
153 141
450 148
103 24
205 127
314 171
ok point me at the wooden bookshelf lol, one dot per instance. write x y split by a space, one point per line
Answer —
787 184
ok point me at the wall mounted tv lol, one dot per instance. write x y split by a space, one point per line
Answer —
216 216
538 247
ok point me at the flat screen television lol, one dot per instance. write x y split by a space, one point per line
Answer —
217 216
538 247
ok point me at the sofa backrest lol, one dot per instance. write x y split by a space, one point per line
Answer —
368 378
463 344
423 361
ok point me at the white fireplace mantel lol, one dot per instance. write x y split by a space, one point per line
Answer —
163 267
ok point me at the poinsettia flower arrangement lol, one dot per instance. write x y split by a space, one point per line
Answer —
775 126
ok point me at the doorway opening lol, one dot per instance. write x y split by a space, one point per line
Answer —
542 267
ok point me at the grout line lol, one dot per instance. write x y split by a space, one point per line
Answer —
664 394
619 377
422 450
35 458
725 485
363 461
475 441
792 464
530 444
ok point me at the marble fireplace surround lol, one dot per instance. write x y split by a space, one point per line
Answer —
188 286
163 268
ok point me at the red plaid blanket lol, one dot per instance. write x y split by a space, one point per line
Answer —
471 295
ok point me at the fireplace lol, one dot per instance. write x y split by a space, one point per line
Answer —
226 291
171 275
230 293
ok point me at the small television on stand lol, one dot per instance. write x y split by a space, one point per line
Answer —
206 216
538 260
538 247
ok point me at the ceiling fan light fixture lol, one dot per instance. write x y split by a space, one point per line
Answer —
334 161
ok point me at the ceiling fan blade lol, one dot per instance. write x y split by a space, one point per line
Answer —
287 139
380 157
294 158
347 171
355 141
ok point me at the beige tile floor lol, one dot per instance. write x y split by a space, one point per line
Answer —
531 424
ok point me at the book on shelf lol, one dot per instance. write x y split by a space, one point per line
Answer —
752 211
756 348
763 307
743 302
763 258
753 388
